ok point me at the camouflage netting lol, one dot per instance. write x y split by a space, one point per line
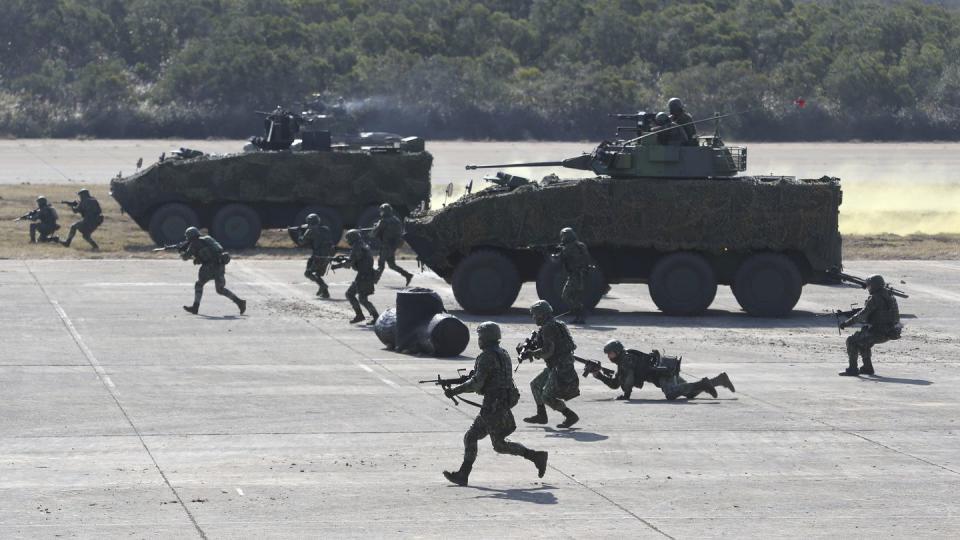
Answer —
333 178
738 214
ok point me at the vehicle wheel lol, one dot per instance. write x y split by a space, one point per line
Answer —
169 221
236 226
486 283
683 284
767 285
550 280
329 216
366 220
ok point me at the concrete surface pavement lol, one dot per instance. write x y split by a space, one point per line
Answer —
124 416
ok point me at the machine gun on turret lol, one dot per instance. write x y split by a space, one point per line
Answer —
644 121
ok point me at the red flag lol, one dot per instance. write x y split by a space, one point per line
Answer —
800 103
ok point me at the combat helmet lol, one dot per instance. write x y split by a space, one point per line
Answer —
488 332
41 201
675 106
541 309
875 282
191 233
662 119
353 236
567 235
613 346
83 193
313 219
386 209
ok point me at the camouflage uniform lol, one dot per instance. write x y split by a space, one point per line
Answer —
576 262
679 116
492 377
635 368
558 381
318 238
881 318
209 254
46 215
91 217
361 260
389 231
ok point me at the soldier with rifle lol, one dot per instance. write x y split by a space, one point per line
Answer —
576 261
389 231
209 254
44 217
680 117
91 217
315 235
635 368
360 260
492 378
880 317
558 381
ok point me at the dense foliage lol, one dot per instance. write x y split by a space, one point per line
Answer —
480 68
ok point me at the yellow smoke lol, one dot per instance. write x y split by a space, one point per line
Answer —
902 207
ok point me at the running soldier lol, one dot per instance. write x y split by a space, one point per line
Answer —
558 381
316 236
209 254
91 217
360 260
389 232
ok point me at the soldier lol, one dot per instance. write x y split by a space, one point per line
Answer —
681 117
667 132
492 377
881 319
389 231
209 254
558 381
315 235
361 260
635 368
91 217
576 262
46 215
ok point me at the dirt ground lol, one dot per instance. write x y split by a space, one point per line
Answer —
120 237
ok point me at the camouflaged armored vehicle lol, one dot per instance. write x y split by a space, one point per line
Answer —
236 196
677 218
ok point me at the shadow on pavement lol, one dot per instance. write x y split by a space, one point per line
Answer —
538 495
895 380
679 401
575 434
219 317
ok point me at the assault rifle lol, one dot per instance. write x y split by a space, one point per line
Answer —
181 247
862 283
592 366
526 347
552 250
446 384
72 204
31 215
842 315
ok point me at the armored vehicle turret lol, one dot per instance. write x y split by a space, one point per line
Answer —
675 217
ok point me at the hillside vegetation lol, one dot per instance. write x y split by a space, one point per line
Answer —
549 69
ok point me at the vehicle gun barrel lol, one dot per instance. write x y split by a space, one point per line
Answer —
581 162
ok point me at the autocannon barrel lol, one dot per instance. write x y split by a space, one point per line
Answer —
579 162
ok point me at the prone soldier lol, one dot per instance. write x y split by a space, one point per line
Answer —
492 377
209 254
558 381
360 260
315 235
681 117
389 231
635 368
576 261
881 319
44 218
91 217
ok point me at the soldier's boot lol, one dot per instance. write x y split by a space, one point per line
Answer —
373 317
570 418
322 290
358 317
723 380
707 386
460 477
407 276
623 397
867 368
197 295
66 243
852 370
242 304
539 459
93 244
539 418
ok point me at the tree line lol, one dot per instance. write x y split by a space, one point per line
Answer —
503 69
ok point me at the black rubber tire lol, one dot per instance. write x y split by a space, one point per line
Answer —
486 282
367 219
767 285
550 280
169 221
236 226
683 284
328 216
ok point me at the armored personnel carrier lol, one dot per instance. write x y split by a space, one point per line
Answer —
236 196
676 217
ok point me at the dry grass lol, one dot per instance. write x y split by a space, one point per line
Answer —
120 237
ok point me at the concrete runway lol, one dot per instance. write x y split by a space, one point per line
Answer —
123 416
